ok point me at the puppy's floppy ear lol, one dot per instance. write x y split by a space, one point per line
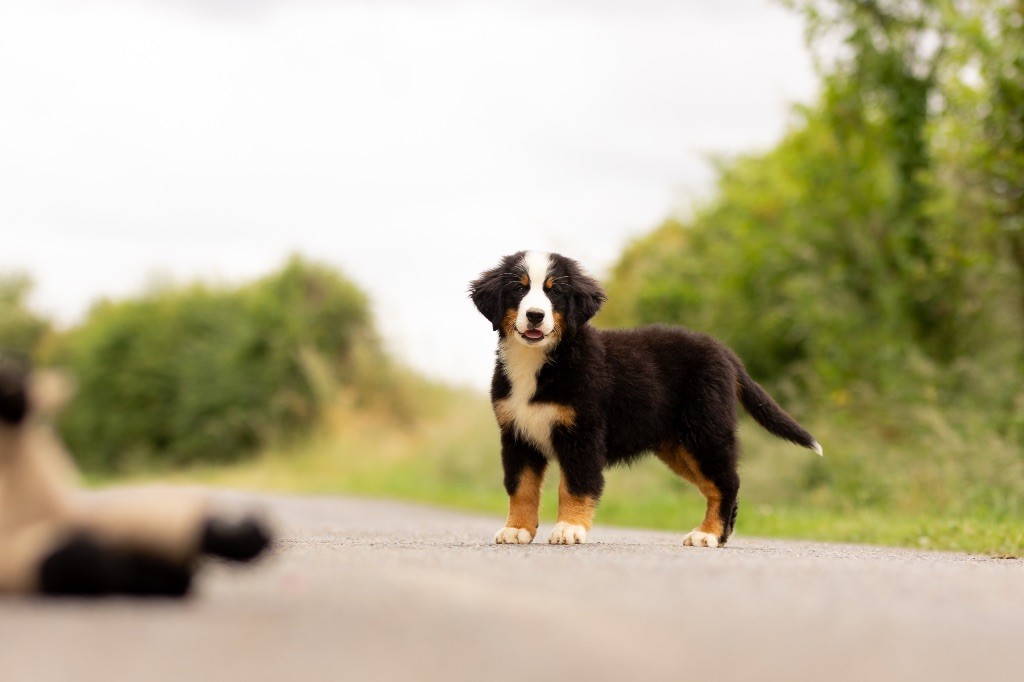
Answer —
487 294
586 299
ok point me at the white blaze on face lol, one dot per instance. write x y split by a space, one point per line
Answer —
536 299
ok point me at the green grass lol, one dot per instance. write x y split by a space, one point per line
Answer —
449 456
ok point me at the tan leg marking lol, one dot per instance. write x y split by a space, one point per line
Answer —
575 516
523 510
573 508
707 534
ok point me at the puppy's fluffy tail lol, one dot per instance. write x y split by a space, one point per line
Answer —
768 414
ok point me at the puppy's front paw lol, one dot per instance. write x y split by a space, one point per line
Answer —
567 534
697 538
513 536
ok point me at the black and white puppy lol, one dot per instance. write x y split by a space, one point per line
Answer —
587 399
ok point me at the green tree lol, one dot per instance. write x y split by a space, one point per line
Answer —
1001 64
871 245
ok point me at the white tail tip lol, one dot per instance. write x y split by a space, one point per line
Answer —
816 446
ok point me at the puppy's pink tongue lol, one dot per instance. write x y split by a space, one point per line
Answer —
533 334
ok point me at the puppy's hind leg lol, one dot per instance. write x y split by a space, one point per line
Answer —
716 478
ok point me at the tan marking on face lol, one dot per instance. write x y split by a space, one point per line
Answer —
524 503
559 325
575 509
683 463
549 282
508 323
525 280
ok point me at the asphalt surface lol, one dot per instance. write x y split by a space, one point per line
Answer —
365 590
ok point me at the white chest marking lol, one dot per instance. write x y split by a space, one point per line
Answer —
532 421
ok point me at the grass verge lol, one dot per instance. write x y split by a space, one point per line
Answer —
450 457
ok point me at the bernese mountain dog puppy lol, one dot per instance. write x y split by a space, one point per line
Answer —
588 399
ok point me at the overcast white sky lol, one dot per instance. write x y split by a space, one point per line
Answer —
411 144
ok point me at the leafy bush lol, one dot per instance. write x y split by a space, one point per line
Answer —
876 243
870 267
211 374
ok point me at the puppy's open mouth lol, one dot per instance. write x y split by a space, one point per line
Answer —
533 335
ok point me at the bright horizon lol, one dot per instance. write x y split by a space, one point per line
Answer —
409 145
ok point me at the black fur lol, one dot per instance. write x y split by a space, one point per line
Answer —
241 540
13 401
489 292
83 567
633 391
768 414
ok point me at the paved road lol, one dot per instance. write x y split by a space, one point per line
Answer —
361 590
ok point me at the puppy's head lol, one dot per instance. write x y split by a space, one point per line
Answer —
537 298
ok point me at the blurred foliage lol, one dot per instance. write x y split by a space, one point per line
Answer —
870 267
211 374
21 330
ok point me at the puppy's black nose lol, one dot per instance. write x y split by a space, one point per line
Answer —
535 316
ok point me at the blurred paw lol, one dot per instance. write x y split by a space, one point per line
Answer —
513 536
240 540
567 534
697 538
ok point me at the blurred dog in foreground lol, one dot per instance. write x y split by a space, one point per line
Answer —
57 539
588 399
